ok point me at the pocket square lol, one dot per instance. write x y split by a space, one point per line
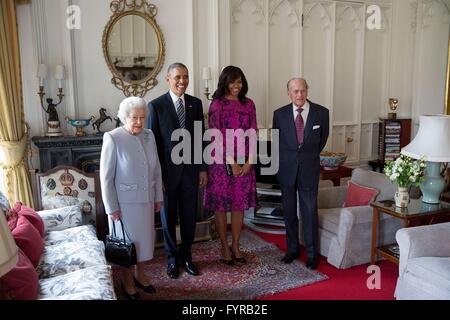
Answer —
316 127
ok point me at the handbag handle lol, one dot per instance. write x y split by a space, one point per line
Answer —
123 230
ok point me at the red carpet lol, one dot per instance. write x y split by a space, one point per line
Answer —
342 284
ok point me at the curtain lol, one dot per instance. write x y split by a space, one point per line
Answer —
447 85
13 132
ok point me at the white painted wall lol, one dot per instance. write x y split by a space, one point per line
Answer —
351 70
94 85
407 60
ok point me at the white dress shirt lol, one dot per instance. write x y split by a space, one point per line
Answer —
175 99
304 113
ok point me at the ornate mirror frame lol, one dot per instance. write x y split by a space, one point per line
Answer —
148 11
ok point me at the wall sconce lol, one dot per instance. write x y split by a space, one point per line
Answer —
53 124
206 76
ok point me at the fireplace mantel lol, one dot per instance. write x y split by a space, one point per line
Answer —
81 152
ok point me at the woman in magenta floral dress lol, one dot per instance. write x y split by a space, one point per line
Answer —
234 191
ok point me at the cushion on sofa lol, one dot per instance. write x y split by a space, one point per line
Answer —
28 240
30 214
82 295
76 234
22 281
61 218
71 285
358 195
11 218
70 256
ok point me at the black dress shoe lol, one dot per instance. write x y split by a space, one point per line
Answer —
148 289
134 296
288 258
172 271
311 264
191 268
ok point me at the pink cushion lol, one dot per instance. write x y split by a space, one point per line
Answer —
28 240
358 195
31 215
12 219
22 281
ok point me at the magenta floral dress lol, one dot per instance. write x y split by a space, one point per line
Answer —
228 193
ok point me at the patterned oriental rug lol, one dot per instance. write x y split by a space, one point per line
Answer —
262 274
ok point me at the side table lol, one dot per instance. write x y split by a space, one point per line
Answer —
336 174
417 213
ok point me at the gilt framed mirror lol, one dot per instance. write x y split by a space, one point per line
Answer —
133 46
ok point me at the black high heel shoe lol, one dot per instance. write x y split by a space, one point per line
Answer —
229 262
237 259
148 289
134 296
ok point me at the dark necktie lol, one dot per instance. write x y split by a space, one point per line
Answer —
181 114
299 126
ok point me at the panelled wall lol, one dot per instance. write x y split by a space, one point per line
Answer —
351 70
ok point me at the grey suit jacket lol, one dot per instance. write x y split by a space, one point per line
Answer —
129 171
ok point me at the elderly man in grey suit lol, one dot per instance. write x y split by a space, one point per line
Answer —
303 130
131 181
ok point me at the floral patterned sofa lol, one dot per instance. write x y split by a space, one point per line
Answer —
72 265
61 252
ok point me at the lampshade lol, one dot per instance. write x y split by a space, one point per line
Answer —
42 71
206 73
432 140
432 143
59 72
8 248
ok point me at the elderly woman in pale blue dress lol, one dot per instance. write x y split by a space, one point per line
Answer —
130 176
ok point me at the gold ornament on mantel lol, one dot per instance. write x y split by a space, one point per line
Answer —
393 104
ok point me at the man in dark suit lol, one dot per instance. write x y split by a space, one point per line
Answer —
172 111
303 131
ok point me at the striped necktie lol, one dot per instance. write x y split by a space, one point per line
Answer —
299 126
181 114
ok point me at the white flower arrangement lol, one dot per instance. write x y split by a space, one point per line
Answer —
405 171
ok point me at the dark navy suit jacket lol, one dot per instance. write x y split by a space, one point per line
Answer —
163 120
307 157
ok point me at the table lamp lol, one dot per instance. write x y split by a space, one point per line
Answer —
8 248
432 143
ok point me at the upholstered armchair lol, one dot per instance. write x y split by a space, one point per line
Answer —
345 233
424 270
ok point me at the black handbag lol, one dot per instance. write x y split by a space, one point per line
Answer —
119 251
